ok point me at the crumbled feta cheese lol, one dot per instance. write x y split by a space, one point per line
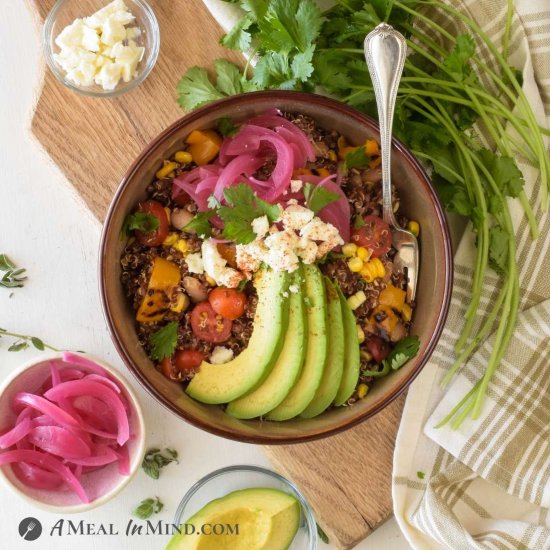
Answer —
294 289
221 355
318 230
285 294
250 256
307 250
194 263
296 216
100 48
260 226
296 185
215 266
292 201
282 255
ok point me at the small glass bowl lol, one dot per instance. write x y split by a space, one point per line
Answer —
232 478
65 12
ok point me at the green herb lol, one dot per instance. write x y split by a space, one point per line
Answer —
226 127
357 158
242 285
148 507
200 224
404 350
23 342
317 197
13 276
163 342
139 221
358 222
322 535
420 475
155 459
244 207
447 87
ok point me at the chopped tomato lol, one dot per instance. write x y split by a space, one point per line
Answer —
374 235
209 325
378 348
227 302
156 237
181 363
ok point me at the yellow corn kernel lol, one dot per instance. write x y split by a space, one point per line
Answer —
362 390
360 334
373 269
209 280
332 155
355 265
365 355
414 228
363 253
406 312
182 303
170 239
166 170
183 157
349 249
168 212
181 246
357 299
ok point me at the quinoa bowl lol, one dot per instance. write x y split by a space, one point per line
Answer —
253 246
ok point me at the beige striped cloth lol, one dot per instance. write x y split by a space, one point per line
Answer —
487 485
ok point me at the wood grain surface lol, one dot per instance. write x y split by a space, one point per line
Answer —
347 478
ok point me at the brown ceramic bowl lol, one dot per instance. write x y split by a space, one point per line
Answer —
418 201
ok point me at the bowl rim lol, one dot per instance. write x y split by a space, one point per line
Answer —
122 87
307 510
362 119
134 464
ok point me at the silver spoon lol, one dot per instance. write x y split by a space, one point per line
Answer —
385 52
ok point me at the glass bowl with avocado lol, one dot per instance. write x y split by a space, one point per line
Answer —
249 279
244 508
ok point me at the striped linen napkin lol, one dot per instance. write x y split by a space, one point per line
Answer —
487 485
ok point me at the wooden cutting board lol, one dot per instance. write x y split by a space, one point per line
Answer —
347 477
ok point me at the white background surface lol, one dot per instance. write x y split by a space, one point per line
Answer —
47 229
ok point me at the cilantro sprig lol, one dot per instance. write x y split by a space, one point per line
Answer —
200 224
404 350
317 197
163 342
139 221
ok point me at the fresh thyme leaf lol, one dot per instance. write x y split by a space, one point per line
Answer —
22 341
155 459
357 158
19 345
317 197
140 221
244 207
226 127
37 343
403 351
5 263
322 535
199 224
148 507
163 342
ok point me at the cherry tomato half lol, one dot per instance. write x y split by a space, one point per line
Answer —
156 237
208 325
181 363
378 348
375 235
227 302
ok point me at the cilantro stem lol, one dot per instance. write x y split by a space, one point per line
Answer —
459 405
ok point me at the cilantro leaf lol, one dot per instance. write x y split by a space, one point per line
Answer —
498 249
457 63
403 351
238 38
195 89
357 158
317 197
226 127
140 221
199 224
244 207
148 507
229 76
504 171
163 342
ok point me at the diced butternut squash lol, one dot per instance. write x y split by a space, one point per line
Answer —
393 297
204 145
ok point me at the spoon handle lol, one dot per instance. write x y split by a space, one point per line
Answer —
385 52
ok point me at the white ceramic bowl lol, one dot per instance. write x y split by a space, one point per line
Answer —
101 485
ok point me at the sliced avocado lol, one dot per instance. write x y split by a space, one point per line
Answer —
287 367
223 383
266 519
316 350
334 367
350 376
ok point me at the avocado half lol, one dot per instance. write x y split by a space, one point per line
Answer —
267 519
217 384
287 368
